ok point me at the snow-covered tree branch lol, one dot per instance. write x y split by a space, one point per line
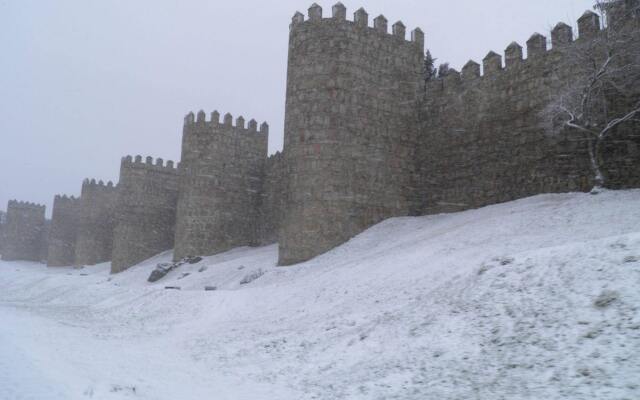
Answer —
604 96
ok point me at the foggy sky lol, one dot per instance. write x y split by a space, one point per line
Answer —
85 82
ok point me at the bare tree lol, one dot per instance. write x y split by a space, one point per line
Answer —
605 94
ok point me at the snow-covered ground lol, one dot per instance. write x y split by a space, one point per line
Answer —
534 299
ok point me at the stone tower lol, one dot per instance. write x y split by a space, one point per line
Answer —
222 167
351 126
145 211
24 232
63 231
97 221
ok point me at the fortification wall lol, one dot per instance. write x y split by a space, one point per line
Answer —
222 167
3 218
24 232
485 138
44 241
96 222
272 200
351 124
63 231
145 211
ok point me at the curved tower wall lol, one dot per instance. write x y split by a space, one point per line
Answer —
145 211
96 222
221 173
63 231
351 127
24 232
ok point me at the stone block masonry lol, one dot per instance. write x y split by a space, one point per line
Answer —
24 232
365 139
3 218
272 206
145 211
221 174
351 123
97 222
63 232
485 138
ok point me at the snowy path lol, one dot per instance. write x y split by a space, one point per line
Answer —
45 360
535 299
21 376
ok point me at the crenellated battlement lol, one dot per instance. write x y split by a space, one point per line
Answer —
222 165
145 210
149 163
24 232
275 157
25 205
65 199
361 21
99 185
95 222
200 120
63 231
513 61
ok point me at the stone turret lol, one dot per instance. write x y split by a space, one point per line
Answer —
222 171
145 215
349 144
96 222
24 232
63 232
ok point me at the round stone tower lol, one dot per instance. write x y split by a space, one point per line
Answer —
351 127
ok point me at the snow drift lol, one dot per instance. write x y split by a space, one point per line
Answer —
531 299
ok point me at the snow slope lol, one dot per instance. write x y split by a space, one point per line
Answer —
532 299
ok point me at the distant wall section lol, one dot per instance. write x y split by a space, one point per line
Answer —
221 173
94 244
63 231
145 211
24 232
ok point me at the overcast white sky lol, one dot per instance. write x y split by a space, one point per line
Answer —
84 82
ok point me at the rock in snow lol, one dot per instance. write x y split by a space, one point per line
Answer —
533 299
162 269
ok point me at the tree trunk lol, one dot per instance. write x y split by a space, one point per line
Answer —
596 168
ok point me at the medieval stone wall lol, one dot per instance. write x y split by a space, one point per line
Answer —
364 141
63 231
351 124
486 139
221 171
24 232
3 220
272 200
145 211
44 241
96 222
